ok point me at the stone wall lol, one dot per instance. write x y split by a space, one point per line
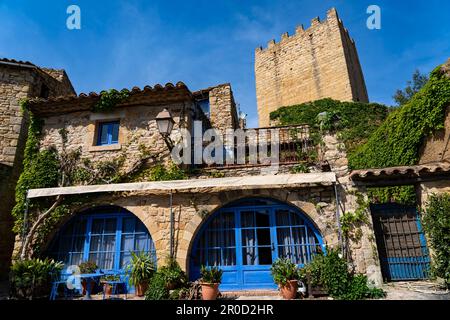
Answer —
437 146
192 210
320 62
223 114
138 133
16 83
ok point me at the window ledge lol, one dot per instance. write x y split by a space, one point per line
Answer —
111 147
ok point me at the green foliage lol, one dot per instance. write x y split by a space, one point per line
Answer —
413 86
351 222
300 168
173 274
400 194
283 270
88 267
32 278
398 140
356 121
141 267
210 274
437 226
169 282
109 99
157 288
332 272
40 170
159 172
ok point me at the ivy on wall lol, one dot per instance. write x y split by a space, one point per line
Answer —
50 168
375 137
352 121
398 140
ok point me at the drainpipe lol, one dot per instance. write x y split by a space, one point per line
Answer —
25 217
171 226
338 217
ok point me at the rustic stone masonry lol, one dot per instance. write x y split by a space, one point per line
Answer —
18 80
319 62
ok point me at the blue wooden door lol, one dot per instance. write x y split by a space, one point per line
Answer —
401 243
245 238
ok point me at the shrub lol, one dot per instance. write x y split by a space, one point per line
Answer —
157 288
32 278
88 267
284 270
437 226
210 274
332 272
173 275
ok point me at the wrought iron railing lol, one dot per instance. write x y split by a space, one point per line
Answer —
293 143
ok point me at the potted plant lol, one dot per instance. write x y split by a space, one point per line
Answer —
140 270
173 274
107 288
211 277
286 274
87 267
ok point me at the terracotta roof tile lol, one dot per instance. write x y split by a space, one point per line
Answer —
418 170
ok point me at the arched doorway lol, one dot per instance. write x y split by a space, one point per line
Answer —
104 235
247 236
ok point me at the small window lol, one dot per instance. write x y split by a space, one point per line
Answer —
204 105
108 133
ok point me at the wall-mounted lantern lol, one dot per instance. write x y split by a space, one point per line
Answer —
165 123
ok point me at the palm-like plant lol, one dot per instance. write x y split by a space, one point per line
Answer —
140 268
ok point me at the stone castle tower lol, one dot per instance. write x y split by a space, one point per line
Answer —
319 62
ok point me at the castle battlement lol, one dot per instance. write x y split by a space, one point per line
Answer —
316 23
314 63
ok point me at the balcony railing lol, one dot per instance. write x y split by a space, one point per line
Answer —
293 142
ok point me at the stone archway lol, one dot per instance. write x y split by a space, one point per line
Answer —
246 236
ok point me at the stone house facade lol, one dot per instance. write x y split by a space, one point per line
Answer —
178 215
319 62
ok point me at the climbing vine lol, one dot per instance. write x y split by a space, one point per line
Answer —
398 140
49 168
109 99
352 121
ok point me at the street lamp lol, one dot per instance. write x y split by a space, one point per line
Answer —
165 124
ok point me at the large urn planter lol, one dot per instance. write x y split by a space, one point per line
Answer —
210 291
211 277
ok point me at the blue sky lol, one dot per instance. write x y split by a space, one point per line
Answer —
207 42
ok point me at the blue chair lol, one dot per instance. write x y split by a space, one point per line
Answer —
56 284
120 283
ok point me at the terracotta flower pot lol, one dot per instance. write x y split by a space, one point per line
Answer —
84 286
210 291
141 288
289 290
108 289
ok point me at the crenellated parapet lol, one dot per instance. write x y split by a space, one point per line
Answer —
313 63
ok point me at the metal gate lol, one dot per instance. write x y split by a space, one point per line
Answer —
401 243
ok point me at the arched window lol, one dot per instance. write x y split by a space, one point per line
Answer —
105 235
246 237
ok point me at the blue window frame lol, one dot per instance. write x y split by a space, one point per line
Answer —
246 237
106 236
108 133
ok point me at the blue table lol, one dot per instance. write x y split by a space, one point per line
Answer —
89 277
